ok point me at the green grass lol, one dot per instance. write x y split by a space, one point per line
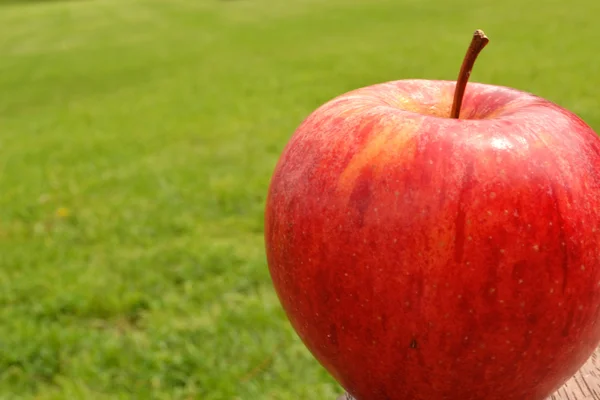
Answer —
137 139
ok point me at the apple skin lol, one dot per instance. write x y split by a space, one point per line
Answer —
420 257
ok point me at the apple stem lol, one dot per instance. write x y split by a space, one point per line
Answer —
477 44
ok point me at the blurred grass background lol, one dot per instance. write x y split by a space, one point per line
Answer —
137 139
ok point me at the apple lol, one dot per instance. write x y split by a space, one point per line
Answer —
584 385
433 240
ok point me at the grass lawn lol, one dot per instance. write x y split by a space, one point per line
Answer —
137 139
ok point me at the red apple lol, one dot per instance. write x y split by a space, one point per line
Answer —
423 257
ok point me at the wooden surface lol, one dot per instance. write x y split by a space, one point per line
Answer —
584 385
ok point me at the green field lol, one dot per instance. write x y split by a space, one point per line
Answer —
137 139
